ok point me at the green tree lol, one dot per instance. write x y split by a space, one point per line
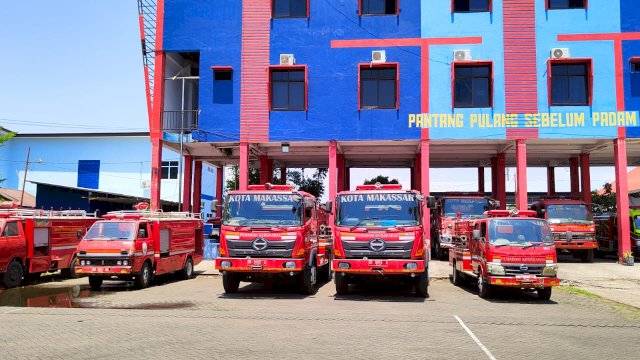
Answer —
234 181
4 136
381 179
605 202
313 185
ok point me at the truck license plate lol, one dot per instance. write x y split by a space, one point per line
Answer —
253 262
527 278
378 263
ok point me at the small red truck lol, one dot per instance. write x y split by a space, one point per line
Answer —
33 242
274 233
510 249
138 245
572 225
449 208
379 235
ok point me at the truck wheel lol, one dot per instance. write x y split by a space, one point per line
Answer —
70 273
95 282
187 272
422 286
144 277
545 293
484 289
456 277
308 279
230 282
587 256
13 276
342 285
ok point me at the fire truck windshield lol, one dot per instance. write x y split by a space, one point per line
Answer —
111 230
519 232
263 210
636 222
466 207
378 209
568 214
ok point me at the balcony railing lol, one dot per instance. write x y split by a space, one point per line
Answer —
180 121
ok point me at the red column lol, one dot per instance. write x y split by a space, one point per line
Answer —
622 196
501 188
417 173
243 168
481 179
219 187
573 175
424 181
266 169
341 175
186 184
333 175
521 175
283 176
585 178
197 186
156 174
347 178
551 180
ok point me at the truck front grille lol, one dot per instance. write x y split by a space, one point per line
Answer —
392 250
274 248
520 269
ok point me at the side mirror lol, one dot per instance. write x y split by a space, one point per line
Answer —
496 204
214 204
476 234
328 207
142 233
79 234
431 202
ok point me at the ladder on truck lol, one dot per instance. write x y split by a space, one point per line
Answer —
155 214
47 213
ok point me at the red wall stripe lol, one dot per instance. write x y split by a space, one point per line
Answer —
522 133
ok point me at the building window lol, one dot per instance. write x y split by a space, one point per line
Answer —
378 7
472 85
290 8
89 174
288 89
634 64
471 5
566 4
170 169
570 83
379 86
222 85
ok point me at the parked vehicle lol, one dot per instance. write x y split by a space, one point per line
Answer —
572 225
33 242
139 245
607 232
379 235
274 233
449 208
506 249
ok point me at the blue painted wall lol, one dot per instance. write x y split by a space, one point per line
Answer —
630 22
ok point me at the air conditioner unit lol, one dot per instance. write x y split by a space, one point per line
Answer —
378 56
287 59
560 53
461 55
144 184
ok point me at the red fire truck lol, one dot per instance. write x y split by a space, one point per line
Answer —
450 207
38 241
273 232
572 225
379 235
607 231
138 245
511 249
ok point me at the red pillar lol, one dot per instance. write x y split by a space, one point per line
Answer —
585 178
341 175
333 175
622 196
521 175
417 173
243 169
347 178
424 181
481 179
197 186
266 169
156 174
219 187
551 180
573 174
501 186
186 184
283 176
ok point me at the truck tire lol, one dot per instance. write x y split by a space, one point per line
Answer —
587 256
187 272
230 282
95 282
143 279
70 273
308 279
342 285
544 294
484 289
13 276
422 285
456 276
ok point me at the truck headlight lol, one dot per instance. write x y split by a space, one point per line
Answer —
344 265
495 269
225 264
88 262
589 236
82 262
125 262
289 264
119 262
550 271
411 266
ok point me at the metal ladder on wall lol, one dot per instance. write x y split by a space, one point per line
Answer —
147 10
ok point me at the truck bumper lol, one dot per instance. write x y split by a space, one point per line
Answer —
103 270
268 265
377 266
528 282
576 245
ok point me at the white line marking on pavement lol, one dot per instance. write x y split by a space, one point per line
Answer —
484 348
14 310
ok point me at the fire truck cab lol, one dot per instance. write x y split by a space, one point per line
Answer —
607 232
511 249
274 233
379 235
138 245
33 242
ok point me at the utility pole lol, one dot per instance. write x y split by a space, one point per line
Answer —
24 180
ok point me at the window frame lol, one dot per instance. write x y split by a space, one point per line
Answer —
453 9
273 12
169 166
306 85
360 13
385 65
634 60
472 63
215 69
589 74
547 6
